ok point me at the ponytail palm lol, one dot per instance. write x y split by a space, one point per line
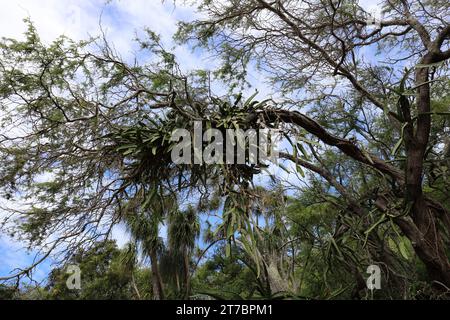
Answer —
144 224
184 229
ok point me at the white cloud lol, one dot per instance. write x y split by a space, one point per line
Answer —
79 19
52 18
120 234
13 255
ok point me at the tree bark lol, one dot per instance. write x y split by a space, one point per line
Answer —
187 281
427 240
276 282
158 291
422 232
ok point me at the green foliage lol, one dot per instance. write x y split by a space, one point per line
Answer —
96 150
103 272
226 276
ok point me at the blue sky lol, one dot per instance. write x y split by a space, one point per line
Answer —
121 19
79 19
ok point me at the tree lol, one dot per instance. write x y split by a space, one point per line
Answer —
301 43
225 277
74 111
7 293
144 227
105 275
184 229
373 143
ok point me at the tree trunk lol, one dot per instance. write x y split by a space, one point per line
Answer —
177 279
276 282
135 288
424 234
187 282
427 242
158 291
